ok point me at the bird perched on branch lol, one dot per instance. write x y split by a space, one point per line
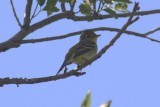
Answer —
83 51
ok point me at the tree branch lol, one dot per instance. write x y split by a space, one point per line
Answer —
79 32
122 15
34 13
14 41
72 5
71 15
27 14
152 31
99 7
94 5
18 81
15 15
63 8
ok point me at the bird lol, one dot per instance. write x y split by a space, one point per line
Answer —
83 51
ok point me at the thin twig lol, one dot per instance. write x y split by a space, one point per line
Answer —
27 14
154 40
72 5
15 15
40 10
99 7
152 31
94 6
63 8
34 13
121 15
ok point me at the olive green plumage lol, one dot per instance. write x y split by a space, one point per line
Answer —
82 51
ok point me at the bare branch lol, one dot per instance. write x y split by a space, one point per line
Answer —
90 18
154 40
79 32
18 81
72 5
70 15
63 8
50 38
152 31
15 15
94 5
34 13
27 14
99 7
14 41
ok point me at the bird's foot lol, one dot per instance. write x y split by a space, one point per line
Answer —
65 70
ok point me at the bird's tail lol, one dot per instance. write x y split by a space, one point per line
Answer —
65 63
60 69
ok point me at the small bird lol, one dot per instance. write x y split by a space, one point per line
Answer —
83 51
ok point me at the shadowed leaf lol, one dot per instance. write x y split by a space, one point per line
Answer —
51 7
41 2
85 9
87 100
106 104
111 12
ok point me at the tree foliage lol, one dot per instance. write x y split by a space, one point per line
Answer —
87 7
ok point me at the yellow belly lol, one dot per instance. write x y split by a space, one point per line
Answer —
83 58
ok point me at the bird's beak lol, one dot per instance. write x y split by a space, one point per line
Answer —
98 36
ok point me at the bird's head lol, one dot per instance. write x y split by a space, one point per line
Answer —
89 35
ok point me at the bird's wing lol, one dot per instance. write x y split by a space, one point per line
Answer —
83 48
65 63
67 57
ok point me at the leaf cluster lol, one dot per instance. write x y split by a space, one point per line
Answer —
87 101
88 7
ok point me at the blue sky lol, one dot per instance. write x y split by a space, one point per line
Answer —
128 73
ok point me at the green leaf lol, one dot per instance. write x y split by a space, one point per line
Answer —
51 10
87 100
109 1
106 104
111 12
121 6
125 1
91 1
41 2
67 1
72 1
85 9
51 7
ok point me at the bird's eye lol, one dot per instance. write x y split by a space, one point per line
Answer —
87 36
